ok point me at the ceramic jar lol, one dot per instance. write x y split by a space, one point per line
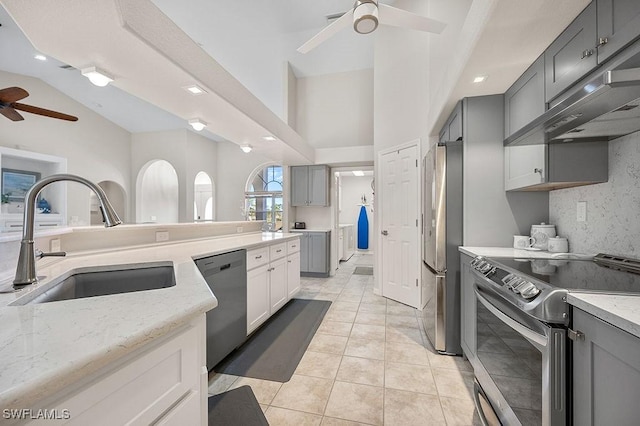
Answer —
558 245
541 234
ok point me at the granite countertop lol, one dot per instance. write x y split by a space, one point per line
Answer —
49 346
620 310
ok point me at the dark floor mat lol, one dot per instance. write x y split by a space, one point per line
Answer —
275 349
236 407
363 270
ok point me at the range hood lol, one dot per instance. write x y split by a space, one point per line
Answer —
603 106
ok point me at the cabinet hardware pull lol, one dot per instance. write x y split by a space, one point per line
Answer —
278 251
259 257
575 335
603 40
587 53
537 170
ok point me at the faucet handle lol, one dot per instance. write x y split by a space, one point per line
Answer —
39 254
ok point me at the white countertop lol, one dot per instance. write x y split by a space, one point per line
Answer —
310 230
621 310
47 347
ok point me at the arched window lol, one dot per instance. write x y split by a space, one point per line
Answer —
263 197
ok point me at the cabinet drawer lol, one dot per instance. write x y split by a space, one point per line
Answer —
293 246
277 251
257 257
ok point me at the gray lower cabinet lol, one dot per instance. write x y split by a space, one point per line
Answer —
572 55
468 308
618 25
314 253
606 373
310 186
524 100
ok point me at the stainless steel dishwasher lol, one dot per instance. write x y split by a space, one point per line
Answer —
226 275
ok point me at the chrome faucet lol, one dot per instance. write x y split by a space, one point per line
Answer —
26 270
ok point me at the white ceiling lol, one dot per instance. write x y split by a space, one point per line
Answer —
252 40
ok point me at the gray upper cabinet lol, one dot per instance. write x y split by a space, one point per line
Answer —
618 25
310 186
572 55
452 129
606 373
524 101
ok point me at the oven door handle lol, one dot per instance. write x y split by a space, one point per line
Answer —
532 336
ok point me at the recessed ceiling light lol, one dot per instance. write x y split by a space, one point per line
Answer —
269 138
246 148
194 89
40 57
480 79
358 173
96 76
197 124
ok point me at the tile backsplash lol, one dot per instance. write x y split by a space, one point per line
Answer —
613 208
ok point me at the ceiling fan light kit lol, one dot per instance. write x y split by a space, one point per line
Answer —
96 76
365 16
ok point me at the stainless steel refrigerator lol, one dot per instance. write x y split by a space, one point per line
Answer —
442 234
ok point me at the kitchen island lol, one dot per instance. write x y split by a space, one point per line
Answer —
53 353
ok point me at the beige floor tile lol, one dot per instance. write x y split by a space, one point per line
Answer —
326 296
353 289
401 310
358 403
445 361
221 383
408 353
282 417
318 364
402 321
454 383
354 298
412 378
328 344
372 308
334 288
411 409
264 390
264 408
361 370
460 412
336 328
330 421
366 331
370 318
365 348
304 393
340 316
374 299
404 335
345 306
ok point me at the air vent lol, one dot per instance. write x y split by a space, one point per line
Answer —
67 67
626 108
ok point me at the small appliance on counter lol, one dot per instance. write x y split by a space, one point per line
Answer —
299 225
541 234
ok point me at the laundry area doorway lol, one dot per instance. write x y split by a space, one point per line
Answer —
354 217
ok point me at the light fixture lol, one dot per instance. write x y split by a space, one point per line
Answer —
40 57
197 124
194 89
246 148
96 76
365 16
269 138
358 173
480 79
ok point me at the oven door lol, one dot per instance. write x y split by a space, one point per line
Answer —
521 363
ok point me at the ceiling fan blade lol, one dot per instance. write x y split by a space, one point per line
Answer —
401 18
10 113
12 94
42 111
328 32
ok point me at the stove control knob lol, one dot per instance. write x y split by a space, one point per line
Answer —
530 292
486 267
515 281
508 278
521 286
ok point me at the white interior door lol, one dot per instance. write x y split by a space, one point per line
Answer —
399 224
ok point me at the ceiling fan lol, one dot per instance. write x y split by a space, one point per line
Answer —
8 106
366 14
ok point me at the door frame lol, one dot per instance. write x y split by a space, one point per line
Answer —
378 200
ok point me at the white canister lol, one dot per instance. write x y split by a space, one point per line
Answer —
541 234
558 245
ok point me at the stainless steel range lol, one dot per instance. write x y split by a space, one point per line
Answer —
522 364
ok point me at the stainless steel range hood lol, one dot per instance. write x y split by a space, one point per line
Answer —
603 106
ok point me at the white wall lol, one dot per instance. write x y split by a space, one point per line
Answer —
613 208
336 110
352 189
94 147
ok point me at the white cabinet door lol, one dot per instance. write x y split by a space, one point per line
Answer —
293 274
341 244
257 297
278 284
524 166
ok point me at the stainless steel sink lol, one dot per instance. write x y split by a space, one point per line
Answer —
102 281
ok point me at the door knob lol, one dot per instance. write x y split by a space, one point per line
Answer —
385 232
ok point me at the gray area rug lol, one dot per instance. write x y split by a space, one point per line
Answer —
275 349
363 270
236 407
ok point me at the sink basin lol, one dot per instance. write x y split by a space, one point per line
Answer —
92 282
